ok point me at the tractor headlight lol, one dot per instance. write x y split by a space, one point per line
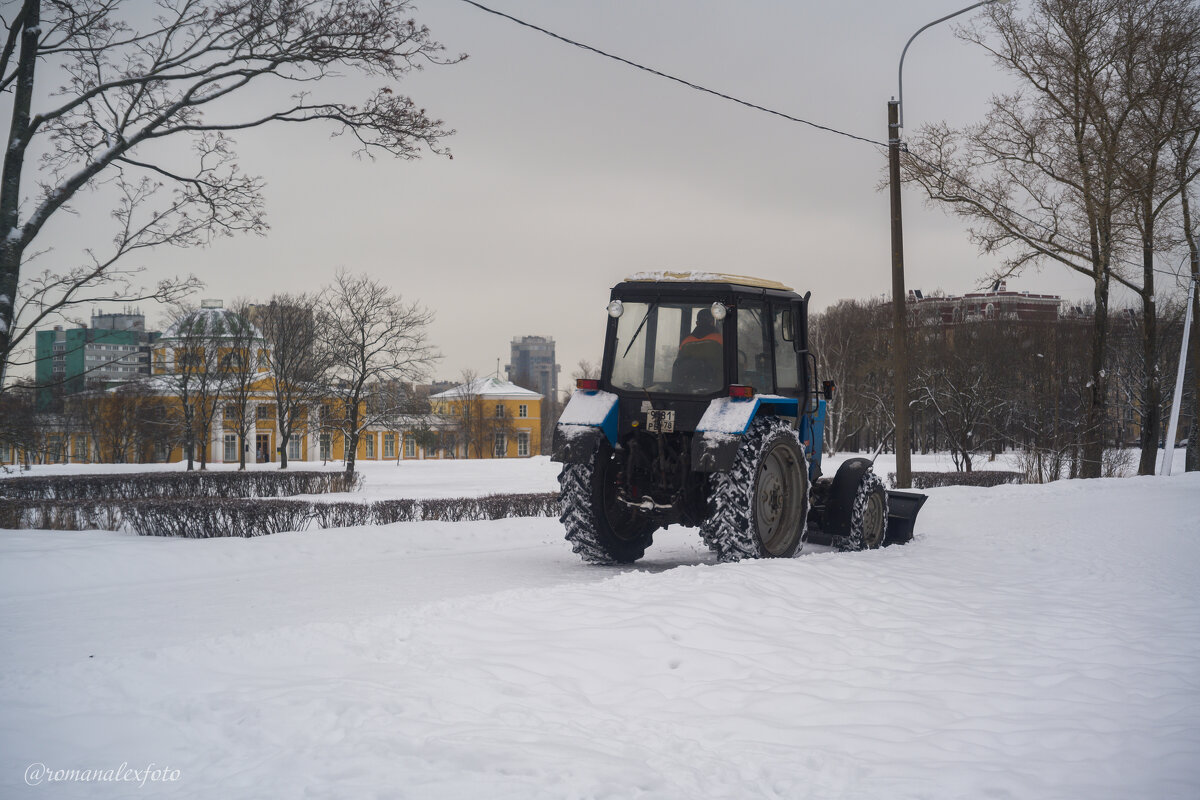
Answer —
719 311
616 308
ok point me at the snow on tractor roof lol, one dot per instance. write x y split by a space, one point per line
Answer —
708 277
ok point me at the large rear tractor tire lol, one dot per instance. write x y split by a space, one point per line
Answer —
600 530
868 516
758 509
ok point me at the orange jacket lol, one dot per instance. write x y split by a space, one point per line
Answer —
712 337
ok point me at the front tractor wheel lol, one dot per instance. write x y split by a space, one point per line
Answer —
600 530
868 515
758 508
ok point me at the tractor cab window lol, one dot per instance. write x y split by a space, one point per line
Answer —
754 354
787 373
672 347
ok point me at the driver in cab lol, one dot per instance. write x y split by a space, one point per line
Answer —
700 354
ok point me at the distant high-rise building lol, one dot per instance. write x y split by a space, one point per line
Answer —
533 365
115 349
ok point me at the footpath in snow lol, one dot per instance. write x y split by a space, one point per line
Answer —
1032 642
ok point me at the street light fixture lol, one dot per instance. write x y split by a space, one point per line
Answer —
899 312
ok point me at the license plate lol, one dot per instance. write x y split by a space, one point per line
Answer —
663 421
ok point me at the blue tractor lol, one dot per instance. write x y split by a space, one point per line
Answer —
708 413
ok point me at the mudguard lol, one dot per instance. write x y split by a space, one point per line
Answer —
589 415
839 503
719 432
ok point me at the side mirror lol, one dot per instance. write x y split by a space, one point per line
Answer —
827 388
789 326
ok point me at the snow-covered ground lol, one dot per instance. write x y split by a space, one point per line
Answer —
1032 642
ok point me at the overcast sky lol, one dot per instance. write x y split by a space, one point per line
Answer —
572 171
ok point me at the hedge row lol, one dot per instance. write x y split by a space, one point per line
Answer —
178 485
199 518
932 480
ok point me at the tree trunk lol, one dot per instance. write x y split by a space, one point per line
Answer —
351 442
12 248
1093 435
189 436
1151 428
284 435
1151 385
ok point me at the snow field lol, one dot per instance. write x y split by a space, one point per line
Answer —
1032 642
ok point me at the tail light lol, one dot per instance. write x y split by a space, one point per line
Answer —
738 392
587 384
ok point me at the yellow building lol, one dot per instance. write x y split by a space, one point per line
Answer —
494 418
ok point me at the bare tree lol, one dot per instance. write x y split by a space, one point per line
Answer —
244 355
116 420
19 420
217 367
1041 177
1159 72
961 381
199 372
851 341
372 337
129 89
297 360
586 370
184 344
478 422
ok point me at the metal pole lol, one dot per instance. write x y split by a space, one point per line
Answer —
899 312
1169 449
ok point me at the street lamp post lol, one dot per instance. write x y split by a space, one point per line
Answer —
1173 425
899 310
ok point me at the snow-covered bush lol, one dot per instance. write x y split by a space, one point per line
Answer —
173 485
932 480
208 517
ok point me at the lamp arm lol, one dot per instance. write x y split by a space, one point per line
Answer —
900 72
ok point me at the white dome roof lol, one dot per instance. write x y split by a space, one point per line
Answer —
211 322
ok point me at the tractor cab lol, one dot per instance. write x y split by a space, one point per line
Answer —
694 338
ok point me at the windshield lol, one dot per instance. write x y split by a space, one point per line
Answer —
669 347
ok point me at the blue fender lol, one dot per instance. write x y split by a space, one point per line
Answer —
589 416
719 432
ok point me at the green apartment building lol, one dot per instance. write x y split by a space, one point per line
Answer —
114 350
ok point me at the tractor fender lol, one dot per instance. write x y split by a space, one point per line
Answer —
589 416
719 432
840 501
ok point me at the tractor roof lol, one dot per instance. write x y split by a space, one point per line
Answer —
706 277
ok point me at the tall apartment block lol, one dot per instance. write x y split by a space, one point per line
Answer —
533 365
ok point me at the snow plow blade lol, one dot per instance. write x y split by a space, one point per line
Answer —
902 514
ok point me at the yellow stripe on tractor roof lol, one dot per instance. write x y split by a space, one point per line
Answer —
708 277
